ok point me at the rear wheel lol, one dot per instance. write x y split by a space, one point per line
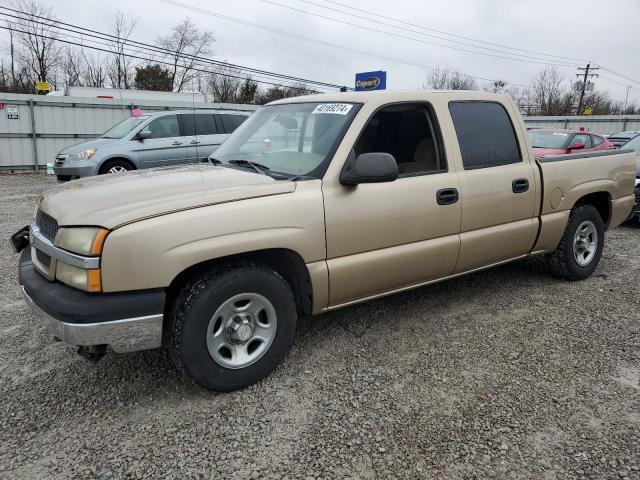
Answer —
580 249
115 166
231 326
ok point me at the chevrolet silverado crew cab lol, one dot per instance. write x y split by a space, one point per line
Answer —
314 203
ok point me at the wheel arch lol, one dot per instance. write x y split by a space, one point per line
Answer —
124 158
287 263
601 200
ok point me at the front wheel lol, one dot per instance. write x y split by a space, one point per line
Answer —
115 166
231 326
580 250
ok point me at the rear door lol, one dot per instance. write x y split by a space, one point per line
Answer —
166 145
209 135
497 186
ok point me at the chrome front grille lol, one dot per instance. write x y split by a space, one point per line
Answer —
47 224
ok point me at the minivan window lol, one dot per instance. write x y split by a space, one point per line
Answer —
198 124
485 134
165 126
119 130
231 122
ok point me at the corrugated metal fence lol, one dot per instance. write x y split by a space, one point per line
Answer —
33 128
605 124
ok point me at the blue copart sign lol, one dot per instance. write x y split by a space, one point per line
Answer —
366 81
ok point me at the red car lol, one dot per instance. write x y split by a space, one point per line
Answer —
559 142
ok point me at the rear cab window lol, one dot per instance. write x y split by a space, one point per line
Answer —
485 134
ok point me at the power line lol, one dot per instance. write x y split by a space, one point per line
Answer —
525 58
109 37
313 40
621 75
147 59
375 14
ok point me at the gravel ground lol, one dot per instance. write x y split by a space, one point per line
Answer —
502 374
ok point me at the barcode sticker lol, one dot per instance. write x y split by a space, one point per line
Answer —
335 108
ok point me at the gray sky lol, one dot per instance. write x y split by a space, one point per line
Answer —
587 29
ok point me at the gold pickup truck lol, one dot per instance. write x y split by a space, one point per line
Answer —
314 203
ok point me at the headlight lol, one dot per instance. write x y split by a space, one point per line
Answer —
87 280
83 240
78 157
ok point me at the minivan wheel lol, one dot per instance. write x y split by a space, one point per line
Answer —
580 249
115 166
232 326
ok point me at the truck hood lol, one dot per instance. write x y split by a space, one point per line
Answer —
81 147
113 200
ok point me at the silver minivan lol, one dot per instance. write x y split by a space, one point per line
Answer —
147 141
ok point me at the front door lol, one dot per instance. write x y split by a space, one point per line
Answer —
498 187
166 146
384 237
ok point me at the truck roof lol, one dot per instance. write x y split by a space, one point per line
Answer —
393 95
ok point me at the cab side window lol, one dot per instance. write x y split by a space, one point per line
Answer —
163 127
410 133
485 134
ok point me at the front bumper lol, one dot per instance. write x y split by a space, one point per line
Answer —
127 322
76 169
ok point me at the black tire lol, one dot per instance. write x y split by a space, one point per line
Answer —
115 163
562 261
63 178
194 308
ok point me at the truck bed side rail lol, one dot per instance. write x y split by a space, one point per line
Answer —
575 156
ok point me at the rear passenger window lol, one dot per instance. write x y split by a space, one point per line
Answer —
198 124
231 122
597 140
485 134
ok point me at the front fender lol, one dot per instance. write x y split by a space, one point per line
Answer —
150 253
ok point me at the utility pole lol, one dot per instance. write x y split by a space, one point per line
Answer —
626 99
13 63
585 79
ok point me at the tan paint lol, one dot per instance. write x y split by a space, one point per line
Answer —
380 238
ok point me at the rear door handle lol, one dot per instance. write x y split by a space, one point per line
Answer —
520 185
447 196
176 143
194 142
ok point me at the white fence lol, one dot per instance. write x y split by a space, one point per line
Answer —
33 128
605 124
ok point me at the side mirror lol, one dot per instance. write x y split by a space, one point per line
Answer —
143 135
576 146
376 167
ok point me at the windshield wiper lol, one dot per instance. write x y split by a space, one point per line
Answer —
259 168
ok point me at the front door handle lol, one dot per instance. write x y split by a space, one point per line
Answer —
520 185
194 142
176 143
447 196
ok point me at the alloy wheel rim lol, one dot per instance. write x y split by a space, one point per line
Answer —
585 243
117 169
241 330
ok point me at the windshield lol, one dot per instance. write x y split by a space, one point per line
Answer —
292 139
119 130
633 143
549 139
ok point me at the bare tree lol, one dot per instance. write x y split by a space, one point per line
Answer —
223 84
72 66
548 96
95 70
39 52
185 43
121 67
442 79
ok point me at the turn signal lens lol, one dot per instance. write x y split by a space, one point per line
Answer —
80 278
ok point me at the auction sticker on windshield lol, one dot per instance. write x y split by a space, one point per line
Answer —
335 108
